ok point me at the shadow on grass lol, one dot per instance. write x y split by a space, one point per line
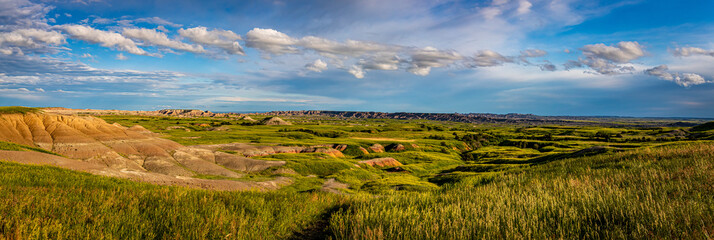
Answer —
319 229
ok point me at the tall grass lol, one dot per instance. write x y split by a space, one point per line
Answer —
39 202
652 193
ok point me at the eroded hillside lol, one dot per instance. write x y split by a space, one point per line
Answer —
91 144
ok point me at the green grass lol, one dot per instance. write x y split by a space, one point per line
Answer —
39 202
18 147
458 181
318 164
703 127
18 109
652 193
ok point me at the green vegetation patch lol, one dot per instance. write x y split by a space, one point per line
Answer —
703 127
18 109
398 182
41 202
318 164
18 147
652 193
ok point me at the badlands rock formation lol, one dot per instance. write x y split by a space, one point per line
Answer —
274 121
164 112
381 162
114 149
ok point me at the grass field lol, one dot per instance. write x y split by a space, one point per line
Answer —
457 181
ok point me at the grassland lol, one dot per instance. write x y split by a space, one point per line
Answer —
457 181
18 109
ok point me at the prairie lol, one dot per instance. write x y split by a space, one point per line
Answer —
453 181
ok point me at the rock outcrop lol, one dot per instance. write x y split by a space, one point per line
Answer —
378 148
249 150
274 121
395 147
382 162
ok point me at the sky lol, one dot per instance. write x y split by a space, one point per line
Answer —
548 57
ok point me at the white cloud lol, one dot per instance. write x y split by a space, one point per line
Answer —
682 79
623 52
19 93
152 37
524 7
352 48
530 53
317 66
223 39
488 58
357 71
270 41
422 60
692 51
20 39
121 57
105 38
384 61
609 59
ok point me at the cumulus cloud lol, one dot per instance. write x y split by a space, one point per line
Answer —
384 61
603 66
692 51
606 59
422 60
531 53
682 79
270 41
488 58
377 56
20 39
621 53
317 66
223 39
152 37
333 49
105 38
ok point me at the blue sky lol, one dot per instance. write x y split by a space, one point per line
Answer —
546 57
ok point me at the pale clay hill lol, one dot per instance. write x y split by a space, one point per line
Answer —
92 145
